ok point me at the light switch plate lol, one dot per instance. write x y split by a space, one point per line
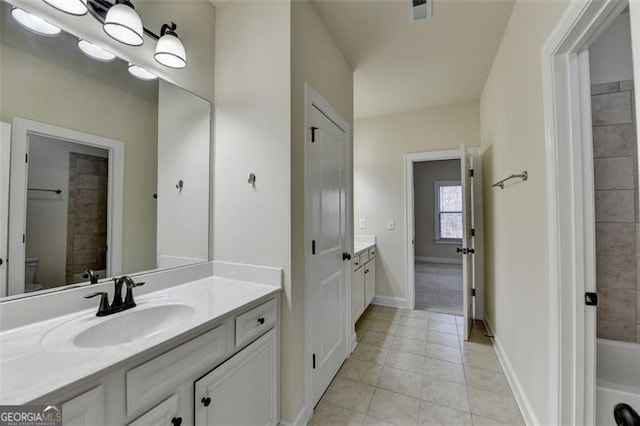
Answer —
391 224
363 224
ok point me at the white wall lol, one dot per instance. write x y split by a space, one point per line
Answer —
610 54
379 187
253 135
81 103
184 122
47 212
517 292
426 174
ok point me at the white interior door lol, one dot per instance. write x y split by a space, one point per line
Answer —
327 213
467 240
5 149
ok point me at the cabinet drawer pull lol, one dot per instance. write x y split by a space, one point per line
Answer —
261 320
206 401
176 421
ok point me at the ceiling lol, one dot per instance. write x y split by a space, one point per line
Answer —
400 65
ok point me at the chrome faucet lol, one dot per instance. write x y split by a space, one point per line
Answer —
117 305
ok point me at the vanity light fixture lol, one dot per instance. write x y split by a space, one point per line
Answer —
95 52
141 73
72 7
34 23
170 50
123 23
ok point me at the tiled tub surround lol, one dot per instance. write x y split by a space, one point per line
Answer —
30 370
86 214
414 368
617 219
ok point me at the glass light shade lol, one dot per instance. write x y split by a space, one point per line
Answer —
141 73
72 7
34 23
170 52
95 52
122 23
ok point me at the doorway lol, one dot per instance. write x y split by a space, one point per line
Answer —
577 188
55 178
469 248
437 213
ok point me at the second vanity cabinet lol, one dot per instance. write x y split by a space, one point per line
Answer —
226 374
363 282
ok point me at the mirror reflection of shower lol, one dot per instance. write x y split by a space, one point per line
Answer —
66 207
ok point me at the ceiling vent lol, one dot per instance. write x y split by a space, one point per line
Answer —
421 9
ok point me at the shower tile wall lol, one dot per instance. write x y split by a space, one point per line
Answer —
617 218
87 214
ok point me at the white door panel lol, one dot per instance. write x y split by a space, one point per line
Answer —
467 243
327 214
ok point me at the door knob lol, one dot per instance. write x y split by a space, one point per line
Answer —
346 256
471 251
461 250
206 401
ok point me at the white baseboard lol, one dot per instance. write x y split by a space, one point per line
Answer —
439 260
393 302
526 409
300 419
354 341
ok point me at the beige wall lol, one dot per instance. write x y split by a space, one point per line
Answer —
380 145
610 54
317 60
515 219
81 103
425 175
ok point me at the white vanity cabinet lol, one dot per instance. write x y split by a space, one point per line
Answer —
363 281
242 390
234 362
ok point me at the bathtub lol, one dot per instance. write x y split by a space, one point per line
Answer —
617 378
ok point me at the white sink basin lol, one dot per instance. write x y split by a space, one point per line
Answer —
143 321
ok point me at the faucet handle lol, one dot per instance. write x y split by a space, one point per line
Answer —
103 309
128 299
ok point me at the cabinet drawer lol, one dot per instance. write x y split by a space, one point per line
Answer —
356 262
253 323
161 414
364 256
157 379
372 253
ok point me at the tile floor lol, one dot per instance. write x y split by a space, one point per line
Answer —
414 368
439 287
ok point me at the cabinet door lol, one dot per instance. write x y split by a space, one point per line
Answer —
86 409
370 282
357 294
243 390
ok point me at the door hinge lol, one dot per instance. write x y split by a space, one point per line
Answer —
591 299
26 158
24 238
314 361
473 232
473 292
313 247
471 172
313 134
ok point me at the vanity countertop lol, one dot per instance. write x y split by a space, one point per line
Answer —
360 246
29 369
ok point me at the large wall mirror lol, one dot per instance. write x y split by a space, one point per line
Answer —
99 170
